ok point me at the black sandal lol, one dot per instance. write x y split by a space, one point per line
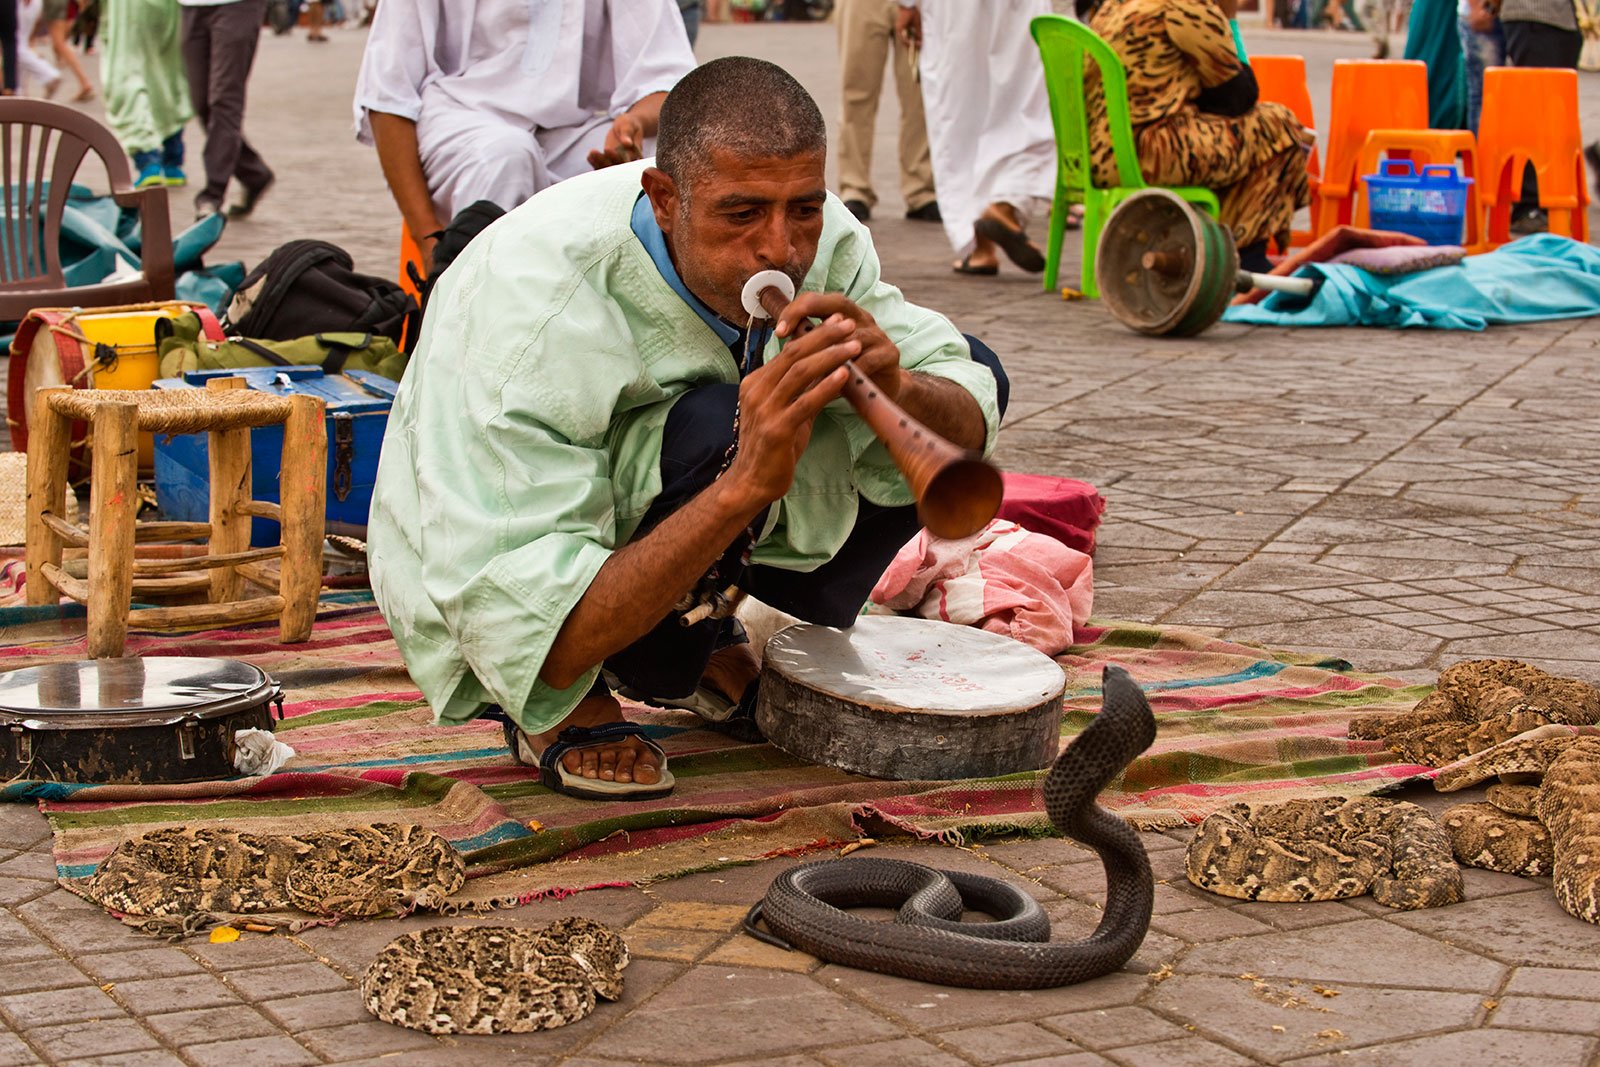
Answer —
1014 243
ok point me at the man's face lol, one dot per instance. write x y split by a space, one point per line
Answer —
742 216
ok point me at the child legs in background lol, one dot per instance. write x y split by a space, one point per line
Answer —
172 160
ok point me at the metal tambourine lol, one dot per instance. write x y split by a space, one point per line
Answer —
137 721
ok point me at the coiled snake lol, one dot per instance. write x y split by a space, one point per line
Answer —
929 943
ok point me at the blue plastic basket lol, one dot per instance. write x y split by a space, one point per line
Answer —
1431 205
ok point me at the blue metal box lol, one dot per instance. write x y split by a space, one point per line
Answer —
358 411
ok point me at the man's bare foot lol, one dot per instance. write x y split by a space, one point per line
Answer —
731 670
628 760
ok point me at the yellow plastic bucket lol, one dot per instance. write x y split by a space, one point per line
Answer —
94 348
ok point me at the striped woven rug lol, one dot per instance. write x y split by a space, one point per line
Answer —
1235 722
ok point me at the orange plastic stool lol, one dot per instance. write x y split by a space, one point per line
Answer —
1368 94
410 254
1530 115
1282 80
1425 147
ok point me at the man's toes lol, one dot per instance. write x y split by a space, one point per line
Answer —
644 768
625 763
573 762
608 764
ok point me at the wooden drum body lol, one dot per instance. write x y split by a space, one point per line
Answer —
138 721
905 698
97 348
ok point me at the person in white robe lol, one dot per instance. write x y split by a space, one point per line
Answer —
470 100
993 147
41 75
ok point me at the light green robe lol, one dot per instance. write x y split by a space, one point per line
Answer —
147 96
525 442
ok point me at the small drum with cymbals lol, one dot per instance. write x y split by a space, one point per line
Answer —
145 721
909 699
94 348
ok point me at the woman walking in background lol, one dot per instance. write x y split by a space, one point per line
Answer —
56 26
42 76
147 96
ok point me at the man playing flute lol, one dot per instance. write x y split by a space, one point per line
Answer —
595 444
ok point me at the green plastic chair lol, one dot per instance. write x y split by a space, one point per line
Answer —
1063 45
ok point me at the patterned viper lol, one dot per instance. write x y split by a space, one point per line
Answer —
802 906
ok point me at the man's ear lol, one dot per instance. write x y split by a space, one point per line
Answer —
663 194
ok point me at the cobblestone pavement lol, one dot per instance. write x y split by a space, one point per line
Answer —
1403 499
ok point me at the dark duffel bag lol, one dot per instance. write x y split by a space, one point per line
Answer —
310 287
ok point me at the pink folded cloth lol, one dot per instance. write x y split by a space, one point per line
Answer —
1064 508
1005 579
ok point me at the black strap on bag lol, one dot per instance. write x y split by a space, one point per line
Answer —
339 352
449 243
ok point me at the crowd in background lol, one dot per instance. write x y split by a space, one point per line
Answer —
980 170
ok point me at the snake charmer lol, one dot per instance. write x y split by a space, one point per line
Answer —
596 448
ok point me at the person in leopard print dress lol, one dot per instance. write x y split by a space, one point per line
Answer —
1196 117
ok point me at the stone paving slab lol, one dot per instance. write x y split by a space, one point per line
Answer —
1405 500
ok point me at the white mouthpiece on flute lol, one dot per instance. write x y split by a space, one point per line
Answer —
767 279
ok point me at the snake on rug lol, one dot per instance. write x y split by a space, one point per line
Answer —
803 906
1563 836
1478 704
362 871
1326 848
495 979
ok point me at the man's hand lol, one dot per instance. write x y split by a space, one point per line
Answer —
1481 15
624 142
908 26
779 402
880 357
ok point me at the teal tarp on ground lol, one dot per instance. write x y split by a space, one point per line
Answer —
1536 278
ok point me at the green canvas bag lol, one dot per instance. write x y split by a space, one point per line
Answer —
182 349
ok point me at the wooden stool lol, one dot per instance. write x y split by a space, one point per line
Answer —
227 412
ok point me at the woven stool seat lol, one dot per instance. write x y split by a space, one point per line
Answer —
179 410
112 577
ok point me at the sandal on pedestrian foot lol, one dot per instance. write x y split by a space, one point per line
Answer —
1013 242
966 267
555 776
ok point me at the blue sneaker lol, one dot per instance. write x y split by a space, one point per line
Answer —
174 177
148 164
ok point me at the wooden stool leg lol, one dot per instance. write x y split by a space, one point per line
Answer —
303 487
230 490
49 440
113 505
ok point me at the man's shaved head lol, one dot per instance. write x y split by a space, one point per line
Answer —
745 107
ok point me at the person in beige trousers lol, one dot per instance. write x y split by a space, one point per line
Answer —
866 41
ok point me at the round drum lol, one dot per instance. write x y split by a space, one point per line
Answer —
904 698
101 348
138 721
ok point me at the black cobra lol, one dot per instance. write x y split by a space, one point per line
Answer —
803 906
